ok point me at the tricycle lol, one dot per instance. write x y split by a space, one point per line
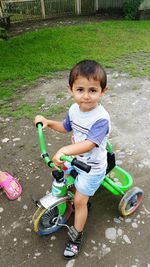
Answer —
55 208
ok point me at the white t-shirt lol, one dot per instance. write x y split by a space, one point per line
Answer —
93 125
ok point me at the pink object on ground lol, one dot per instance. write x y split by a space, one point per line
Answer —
9 189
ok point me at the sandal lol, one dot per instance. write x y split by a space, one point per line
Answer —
73 247
11 191
71 250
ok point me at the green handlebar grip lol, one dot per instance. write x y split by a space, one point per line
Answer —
66 158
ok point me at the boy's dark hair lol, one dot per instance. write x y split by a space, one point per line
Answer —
88 69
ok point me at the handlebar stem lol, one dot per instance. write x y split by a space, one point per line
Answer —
70 159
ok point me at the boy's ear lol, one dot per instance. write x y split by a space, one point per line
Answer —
104 90
69 90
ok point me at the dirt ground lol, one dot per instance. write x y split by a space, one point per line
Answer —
110 240
18 28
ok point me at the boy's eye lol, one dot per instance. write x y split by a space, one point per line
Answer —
79 89
93 90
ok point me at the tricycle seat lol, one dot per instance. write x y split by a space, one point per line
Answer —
111 163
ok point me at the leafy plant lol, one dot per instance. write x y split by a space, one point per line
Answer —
3 34
130 8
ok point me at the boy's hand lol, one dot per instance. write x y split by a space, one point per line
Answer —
42 119
56 159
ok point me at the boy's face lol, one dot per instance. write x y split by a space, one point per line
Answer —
86 93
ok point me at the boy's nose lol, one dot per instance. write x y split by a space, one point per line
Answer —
86 95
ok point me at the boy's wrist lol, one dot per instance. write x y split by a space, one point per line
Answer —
49 123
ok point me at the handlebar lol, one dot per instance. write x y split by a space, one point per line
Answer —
77 163
74 162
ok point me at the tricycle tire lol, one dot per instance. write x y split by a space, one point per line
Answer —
43 219
131 201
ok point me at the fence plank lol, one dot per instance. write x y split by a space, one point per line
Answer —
96 5
78 7
43 9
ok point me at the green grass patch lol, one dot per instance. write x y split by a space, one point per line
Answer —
60 95
121 45
29 111
21 111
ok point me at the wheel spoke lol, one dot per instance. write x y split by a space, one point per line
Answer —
46 221
47 218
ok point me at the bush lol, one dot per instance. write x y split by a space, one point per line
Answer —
131 9
3 34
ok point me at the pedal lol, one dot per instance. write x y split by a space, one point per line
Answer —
73 233
36 201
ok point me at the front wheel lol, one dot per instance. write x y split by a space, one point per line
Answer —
130 201
44 219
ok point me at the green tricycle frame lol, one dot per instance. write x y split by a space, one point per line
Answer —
55 208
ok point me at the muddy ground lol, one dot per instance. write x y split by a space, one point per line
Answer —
110 240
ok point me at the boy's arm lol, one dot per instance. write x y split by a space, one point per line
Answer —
55 125
78 148
73 149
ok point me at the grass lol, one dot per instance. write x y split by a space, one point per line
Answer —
29 111
41 53
24 110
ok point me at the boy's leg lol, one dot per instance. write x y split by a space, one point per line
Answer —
81 212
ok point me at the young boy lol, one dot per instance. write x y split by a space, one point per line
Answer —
90 124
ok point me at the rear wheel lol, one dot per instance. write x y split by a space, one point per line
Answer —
44 219
131 201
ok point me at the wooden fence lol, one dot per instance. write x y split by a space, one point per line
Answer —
42 9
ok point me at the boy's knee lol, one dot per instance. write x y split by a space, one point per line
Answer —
77 203
80 202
